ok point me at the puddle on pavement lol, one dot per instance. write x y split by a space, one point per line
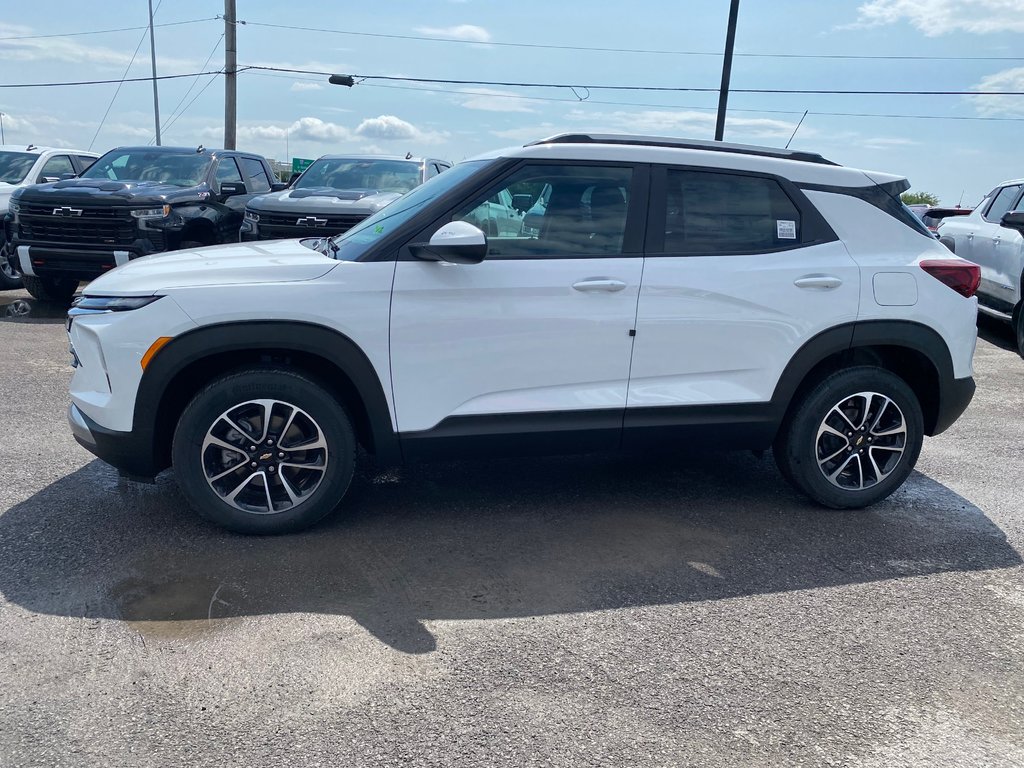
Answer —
190 608
18 310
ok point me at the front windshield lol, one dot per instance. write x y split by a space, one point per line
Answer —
178 168
353 243
14 166
379 175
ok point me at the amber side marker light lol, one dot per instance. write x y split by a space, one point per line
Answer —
155 347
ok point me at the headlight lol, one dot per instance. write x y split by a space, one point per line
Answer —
251 215
111 303
151 213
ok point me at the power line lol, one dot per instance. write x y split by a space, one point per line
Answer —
105 31
121 82
716 54
656 88
199 93
108 82
491 94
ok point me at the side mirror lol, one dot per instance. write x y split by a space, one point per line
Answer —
457 242
66 176
278 186
231 188
48 179
1014 220
522 202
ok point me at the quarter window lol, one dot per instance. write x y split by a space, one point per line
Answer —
583 214
727 213
1002 202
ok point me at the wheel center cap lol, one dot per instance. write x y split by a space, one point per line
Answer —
266 456
859 441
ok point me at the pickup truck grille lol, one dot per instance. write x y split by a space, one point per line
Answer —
92 226
275 226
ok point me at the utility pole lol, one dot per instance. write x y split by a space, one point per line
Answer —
230 75
723 94
152 54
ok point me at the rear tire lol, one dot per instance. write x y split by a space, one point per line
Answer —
10 275
852 439
56 289
264 451
1018 328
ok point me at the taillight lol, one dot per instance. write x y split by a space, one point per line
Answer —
962 276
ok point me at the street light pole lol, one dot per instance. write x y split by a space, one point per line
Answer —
152 54
723 94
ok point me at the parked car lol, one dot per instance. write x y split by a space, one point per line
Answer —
133 201
678 295
21 166
334 194
995 244
932 216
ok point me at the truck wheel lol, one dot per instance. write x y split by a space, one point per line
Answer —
10 275
853 439
57 289
264 451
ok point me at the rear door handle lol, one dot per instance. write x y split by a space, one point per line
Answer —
606 284
970 235
818 282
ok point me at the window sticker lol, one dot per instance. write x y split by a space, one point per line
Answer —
785 230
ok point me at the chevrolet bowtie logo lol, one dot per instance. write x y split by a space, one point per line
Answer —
311 221
67 211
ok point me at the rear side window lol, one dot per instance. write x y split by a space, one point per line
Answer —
257 173
85 162
727 213
1001 203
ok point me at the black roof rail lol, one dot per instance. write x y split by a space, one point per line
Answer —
673 143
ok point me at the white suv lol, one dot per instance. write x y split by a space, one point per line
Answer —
678 294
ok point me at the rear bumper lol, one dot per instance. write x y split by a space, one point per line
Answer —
953 401
129 452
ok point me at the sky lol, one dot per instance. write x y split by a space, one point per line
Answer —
673 43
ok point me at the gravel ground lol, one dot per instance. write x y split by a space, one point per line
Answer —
574 611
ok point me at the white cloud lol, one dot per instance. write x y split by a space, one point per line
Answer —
940 17
469 32
387 127
392 128
529 132
998 106
305 85
305 128
491 100
69 50
884 142
685 123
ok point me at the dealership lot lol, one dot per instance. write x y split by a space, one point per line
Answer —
588 610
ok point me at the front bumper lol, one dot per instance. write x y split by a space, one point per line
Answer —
129 452
81 262
954 398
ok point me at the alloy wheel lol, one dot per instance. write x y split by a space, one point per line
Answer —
861 441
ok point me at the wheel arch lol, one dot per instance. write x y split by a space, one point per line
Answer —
914 352
191 360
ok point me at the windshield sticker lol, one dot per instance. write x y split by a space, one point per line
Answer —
785 230
379 229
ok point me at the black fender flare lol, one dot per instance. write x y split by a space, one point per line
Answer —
332 347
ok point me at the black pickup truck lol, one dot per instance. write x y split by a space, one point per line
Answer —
132 202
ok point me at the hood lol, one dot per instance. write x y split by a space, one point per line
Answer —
103 191
324 200
273 261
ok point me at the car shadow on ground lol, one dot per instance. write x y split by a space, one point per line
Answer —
996 332
477 540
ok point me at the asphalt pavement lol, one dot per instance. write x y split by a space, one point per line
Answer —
596 610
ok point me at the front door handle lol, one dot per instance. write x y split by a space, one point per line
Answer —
818 282
970 235
606 284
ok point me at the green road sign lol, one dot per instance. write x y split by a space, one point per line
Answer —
299 164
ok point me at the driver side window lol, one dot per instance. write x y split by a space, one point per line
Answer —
227 170
554 210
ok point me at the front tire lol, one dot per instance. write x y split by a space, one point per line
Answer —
264 451
56 289
10 275
1018 328
852 439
